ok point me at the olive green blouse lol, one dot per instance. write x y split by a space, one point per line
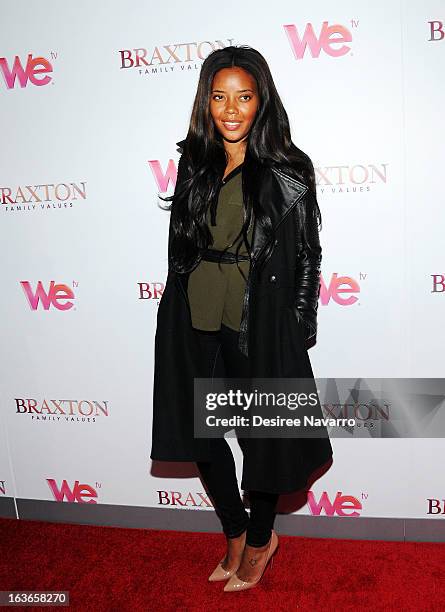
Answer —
216 290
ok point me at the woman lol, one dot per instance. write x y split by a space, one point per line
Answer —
241 295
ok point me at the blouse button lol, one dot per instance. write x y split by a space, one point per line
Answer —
272 278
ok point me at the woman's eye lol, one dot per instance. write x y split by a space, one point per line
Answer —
218 96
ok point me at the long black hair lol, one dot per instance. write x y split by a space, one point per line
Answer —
204 159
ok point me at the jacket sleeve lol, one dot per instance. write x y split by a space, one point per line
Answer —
307 282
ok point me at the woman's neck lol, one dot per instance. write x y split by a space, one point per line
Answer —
236 152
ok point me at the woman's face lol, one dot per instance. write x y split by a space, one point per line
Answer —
233 103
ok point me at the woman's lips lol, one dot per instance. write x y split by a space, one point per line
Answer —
231 125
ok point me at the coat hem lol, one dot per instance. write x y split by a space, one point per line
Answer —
287 489
283 489
179 458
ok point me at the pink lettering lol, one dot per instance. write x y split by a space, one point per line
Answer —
329 38
343 505
335 289
55 296
77 494
34 67
163 180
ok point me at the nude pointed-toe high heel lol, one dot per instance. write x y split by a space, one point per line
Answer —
219 573
236 584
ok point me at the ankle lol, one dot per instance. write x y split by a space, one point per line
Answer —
254 549
236 543
235 548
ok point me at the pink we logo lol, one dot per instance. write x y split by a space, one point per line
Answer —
59 296
329 40
76 494
35 71
337 286
343 505
163 179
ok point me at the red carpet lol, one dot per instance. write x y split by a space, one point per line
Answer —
112 569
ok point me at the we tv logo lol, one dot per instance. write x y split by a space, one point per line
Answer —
343 505
58 295
163 179
34 71
332 39
80 493
339 285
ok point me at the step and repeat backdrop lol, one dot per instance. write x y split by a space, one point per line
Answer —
94 97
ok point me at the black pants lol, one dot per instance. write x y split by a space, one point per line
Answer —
219 474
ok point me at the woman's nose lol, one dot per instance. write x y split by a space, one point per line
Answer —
231 107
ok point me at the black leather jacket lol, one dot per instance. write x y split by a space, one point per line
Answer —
280 194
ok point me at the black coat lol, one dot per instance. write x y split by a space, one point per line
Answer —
278 326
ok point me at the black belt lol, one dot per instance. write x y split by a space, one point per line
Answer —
228 257
222 256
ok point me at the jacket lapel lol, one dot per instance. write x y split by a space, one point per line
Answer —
277 194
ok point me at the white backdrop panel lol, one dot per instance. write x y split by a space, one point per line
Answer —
371 122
